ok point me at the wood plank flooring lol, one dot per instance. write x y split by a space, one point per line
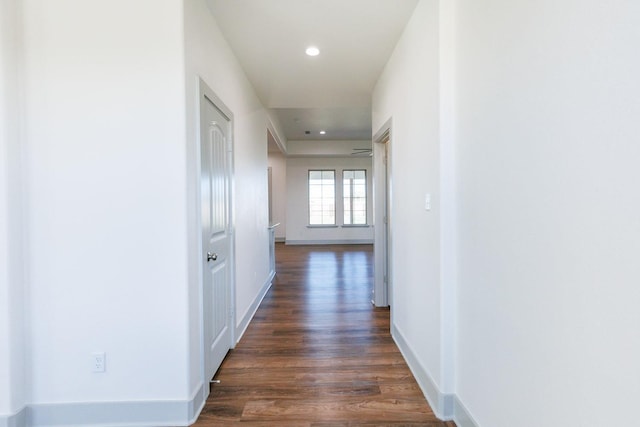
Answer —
317 353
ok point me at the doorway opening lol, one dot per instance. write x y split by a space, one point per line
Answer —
382 248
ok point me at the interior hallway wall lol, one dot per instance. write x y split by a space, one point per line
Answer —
409 94
112 246
547 139
278 164
12 318
106 220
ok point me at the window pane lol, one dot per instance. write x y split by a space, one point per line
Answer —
315 191
315 175
346 192
354 193
321 197
360 218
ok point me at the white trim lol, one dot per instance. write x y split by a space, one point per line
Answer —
155 413
382 192
112 414
271 128
19 419
441 403
251 311
197 402
461 415
280 239
198 221
330 242
448 192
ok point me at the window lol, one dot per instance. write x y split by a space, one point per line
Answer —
322 197
354 193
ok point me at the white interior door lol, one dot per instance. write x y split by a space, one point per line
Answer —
217 238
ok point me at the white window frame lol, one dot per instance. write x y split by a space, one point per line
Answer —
347 201
309 201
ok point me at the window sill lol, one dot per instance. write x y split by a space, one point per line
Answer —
355 225
322 226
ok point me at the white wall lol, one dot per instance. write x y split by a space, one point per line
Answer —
12 333
209 57
408 92
278 165
297 230
547 132
106 177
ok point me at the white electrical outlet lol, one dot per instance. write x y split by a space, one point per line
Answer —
98 362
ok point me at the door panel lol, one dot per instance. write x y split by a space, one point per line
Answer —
215 182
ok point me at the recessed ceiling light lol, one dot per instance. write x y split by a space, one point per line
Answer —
322 132
312 51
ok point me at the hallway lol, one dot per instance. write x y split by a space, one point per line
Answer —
317 353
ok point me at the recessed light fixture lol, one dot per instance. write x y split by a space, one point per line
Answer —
312 51
322 132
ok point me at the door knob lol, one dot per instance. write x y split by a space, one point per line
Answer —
211 257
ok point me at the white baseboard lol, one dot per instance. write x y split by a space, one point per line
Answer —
281 239
461 415
197 402
159 413
446 406
251 311
331 242
19 419
441 403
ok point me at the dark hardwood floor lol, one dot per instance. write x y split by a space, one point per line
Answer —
317 353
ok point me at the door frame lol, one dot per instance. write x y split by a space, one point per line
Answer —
382 196
205 91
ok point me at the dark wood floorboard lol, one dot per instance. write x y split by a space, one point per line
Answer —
317 353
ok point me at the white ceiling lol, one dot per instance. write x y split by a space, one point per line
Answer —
329 92
338 123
